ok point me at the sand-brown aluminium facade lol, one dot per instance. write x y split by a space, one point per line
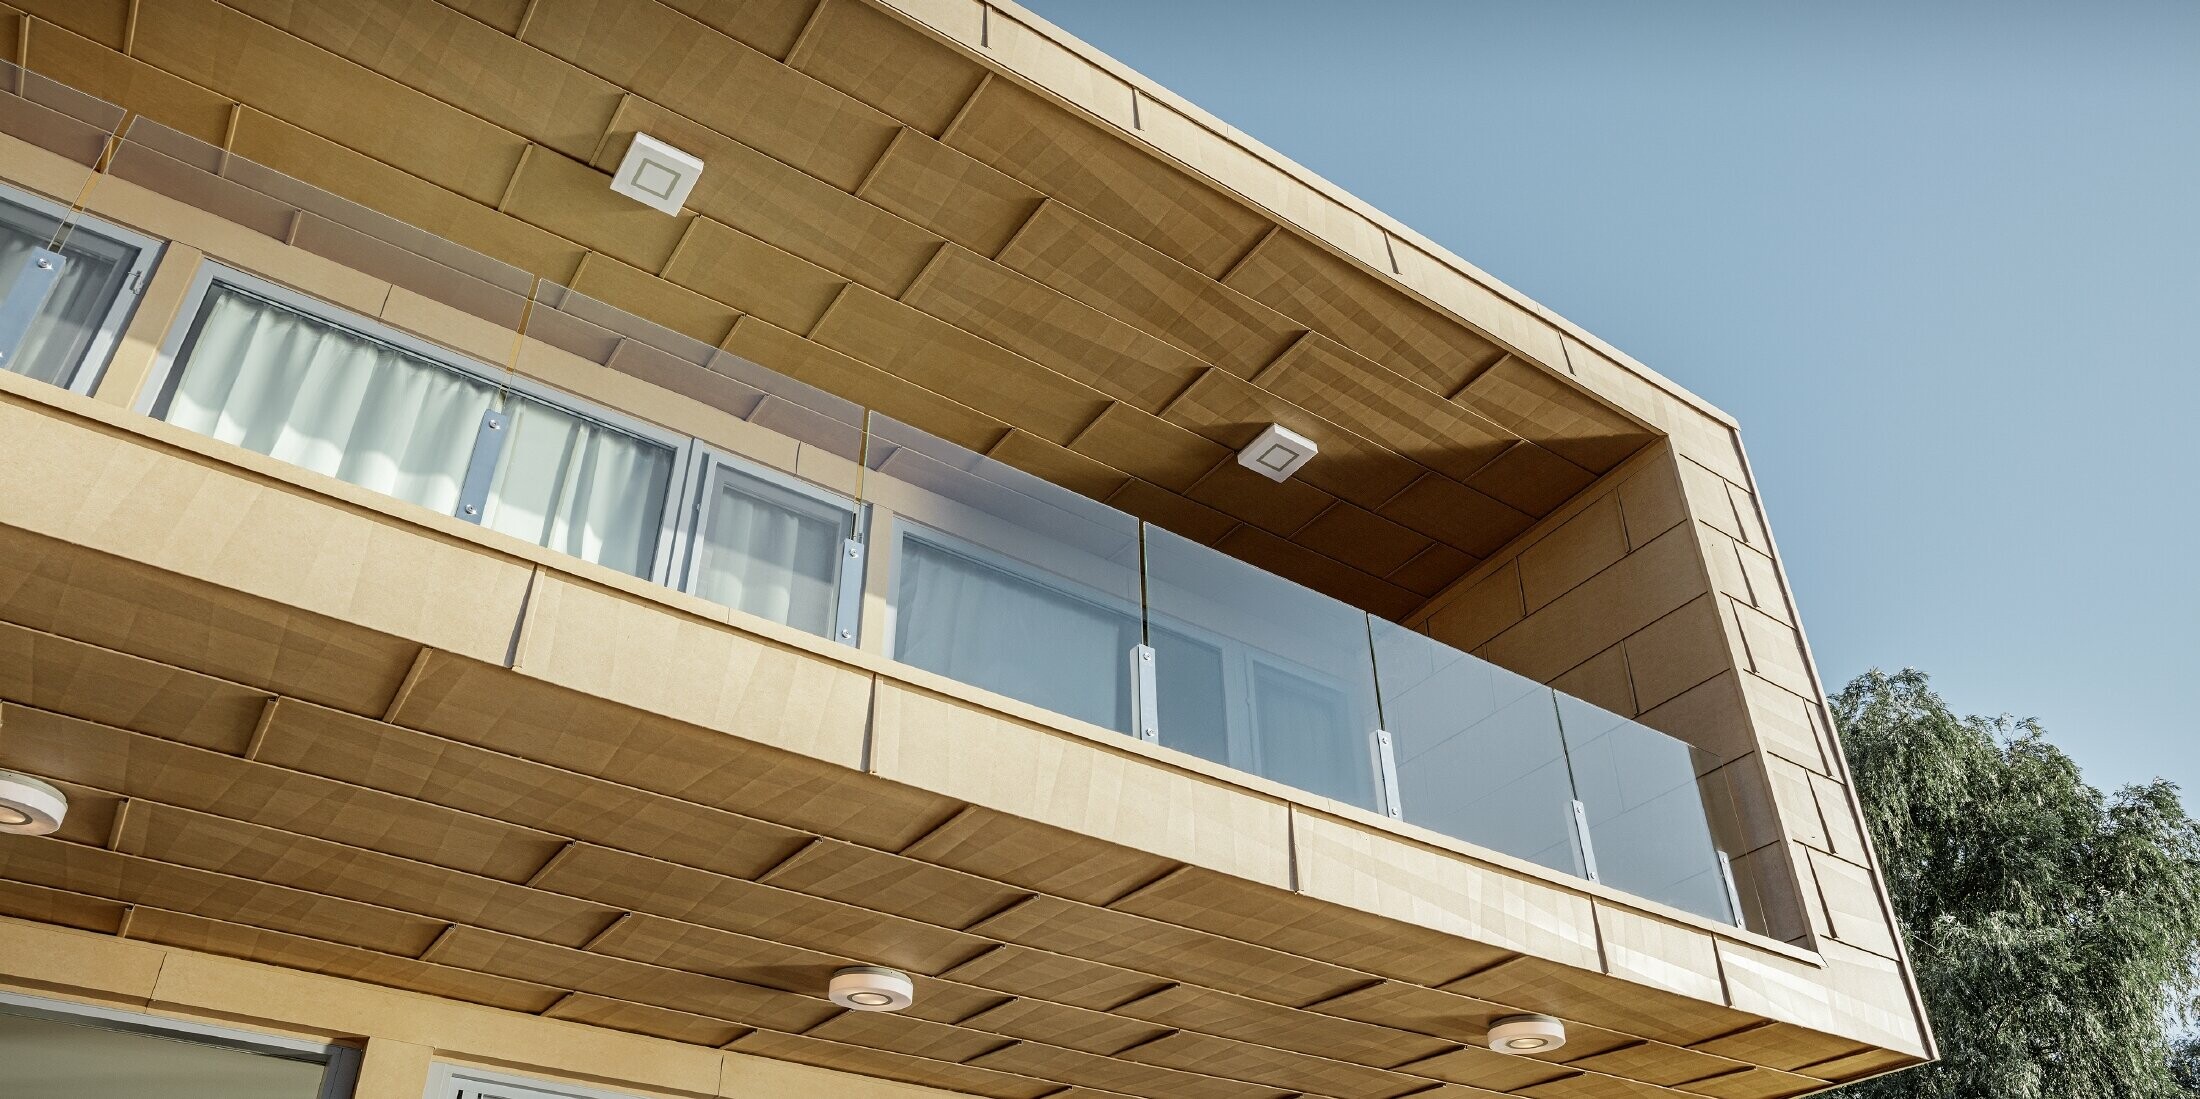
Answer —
346 768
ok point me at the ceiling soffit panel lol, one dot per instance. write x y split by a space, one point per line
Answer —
1053 329
779 204
950 194
771 26
719 82
941 357
1298 278
1057 153
1231 412
1323 377
878 59
1136 284
459 60
1542 408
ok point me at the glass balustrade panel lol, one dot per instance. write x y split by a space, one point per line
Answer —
1477 749
1001 580
1260 673
1641 796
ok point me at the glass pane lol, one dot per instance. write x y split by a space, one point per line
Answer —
67 326
1259 673
1188 679
271 379
1478 749
987 624
421 267
792 426
1647 824
48 1057
770 550
579 487
1002 580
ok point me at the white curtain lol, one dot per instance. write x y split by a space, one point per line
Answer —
579 487
310 393
767 553
74 309
317 395
1307 738
980 624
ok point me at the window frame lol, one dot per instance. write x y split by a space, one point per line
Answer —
340 1063
84 376
211 273
700 476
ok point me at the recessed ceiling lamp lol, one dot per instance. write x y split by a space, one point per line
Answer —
872 988
656 174
1527 1034
29 807
1278 453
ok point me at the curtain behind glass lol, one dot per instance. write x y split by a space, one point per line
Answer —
579 487
1308 738
1194 710
312 394
769 552
70 320
980 624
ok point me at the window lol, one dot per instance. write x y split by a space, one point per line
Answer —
775 548
980 619
287 377
58 324
52 1047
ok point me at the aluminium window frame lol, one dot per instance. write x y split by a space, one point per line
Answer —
340 1063
85 374
212 273
703 466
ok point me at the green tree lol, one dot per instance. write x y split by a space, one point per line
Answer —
2184 1066
2056 931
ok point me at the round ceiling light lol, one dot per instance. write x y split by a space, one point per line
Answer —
872 988
29 807
1527 1034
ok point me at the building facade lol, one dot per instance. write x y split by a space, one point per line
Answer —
495 637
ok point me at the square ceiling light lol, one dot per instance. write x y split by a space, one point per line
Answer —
1278 453
656 174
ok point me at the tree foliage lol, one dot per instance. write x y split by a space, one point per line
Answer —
2055 930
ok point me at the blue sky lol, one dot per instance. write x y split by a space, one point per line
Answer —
1941 260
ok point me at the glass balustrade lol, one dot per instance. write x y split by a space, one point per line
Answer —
1002 580
1261 674
779 500
1477 750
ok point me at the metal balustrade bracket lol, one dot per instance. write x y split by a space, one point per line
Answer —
481 467
1145 701
41 272
1581 836
848 602
1386 773
1733 893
